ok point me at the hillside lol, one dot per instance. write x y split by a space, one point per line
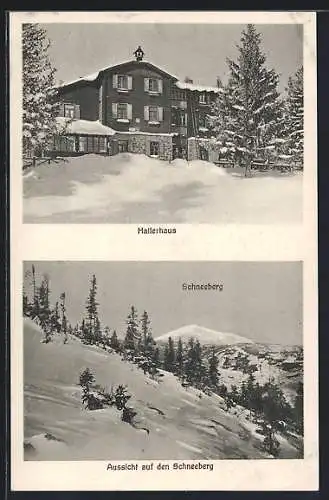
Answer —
181 423
204 335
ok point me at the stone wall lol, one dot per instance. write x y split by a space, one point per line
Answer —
193 149
140 144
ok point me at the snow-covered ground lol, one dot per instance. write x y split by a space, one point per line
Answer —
181 424
134 188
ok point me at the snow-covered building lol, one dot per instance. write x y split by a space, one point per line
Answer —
136 107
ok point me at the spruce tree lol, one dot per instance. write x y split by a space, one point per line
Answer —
213 369
190 364
248 114
40 99
92 326
294 117
44 306
132 332
179 358
114 342
169 356
64 326
55 320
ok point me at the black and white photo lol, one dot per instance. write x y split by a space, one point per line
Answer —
163 360
162 123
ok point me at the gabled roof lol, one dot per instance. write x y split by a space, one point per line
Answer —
93 76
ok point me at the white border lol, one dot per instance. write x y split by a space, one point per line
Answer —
192 242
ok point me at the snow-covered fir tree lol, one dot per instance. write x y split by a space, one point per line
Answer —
213 369
40 99
294 117
247 115
169 356
132 333
92 325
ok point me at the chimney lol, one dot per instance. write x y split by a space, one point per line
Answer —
187 79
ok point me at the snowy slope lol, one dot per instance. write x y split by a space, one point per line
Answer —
204 335
100 189
181 424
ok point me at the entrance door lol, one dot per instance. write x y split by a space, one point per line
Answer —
122 146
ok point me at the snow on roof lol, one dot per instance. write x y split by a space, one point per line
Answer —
182 85
84 127
198 88
93 76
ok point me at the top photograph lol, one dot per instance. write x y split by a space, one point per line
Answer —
162 123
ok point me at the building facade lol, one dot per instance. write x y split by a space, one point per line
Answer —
134 107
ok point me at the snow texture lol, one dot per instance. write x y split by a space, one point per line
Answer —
99 189
204 335
84 127
181 425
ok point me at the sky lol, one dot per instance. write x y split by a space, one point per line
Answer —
260 300
195 50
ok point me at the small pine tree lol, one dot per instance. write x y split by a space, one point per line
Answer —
213 369
44 307
169 356
87 379
132 333
179 365
64 326
114 341
92 325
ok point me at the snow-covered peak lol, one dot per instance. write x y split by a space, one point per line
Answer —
204 335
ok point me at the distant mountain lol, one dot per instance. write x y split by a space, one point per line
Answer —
204 335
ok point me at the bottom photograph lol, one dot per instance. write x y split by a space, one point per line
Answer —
162 360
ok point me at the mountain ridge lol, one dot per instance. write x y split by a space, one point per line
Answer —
205 335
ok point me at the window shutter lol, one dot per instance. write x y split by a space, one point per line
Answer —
130 82
114 109
61 109
146 84
146 113
160 114
160 88
129 111
115 81
77 111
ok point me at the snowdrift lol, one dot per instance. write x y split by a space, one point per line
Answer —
136 188
181 422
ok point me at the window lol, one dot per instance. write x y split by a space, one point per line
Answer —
69 110
153 114
122 111
123 82
153 85
203 98
64 144
182 119
154 148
